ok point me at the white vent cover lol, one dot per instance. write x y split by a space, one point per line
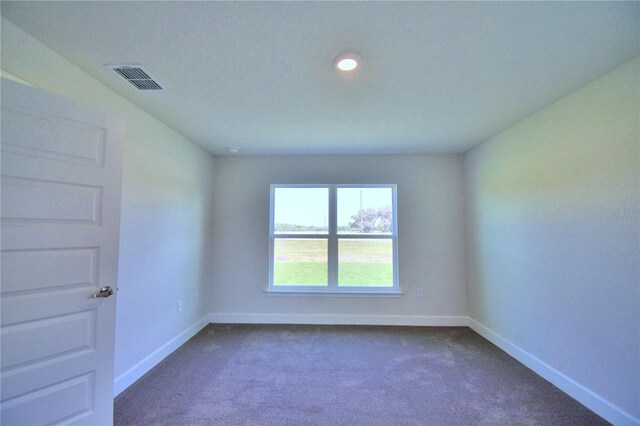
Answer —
137 76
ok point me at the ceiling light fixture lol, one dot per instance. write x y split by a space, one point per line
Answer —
346 61
233 149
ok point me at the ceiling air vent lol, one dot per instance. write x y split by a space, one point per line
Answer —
137 76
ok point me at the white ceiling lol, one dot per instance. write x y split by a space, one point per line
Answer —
435 76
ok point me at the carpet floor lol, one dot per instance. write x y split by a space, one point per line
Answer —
343 375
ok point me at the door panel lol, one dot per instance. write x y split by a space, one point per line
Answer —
40 201
65 401
60 216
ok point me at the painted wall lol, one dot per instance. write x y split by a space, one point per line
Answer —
553 236
166 206
430 237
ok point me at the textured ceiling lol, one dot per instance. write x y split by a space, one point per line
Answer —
435 77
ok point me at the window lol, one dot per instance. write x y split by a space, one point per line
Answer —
333 239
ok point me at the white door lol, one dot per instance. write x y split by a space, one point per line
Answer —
60 217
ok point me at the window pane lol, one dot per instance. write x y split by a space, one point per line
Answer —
301 210
300 262
365 211
365 263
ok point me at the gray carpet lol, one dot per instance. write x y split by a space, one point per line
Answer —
343 375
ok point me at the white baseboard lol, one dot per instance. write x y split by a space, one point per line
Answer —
127 378
586 397
324 319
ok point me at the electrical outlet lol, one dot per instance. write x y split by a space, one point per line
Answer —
179 305
419 292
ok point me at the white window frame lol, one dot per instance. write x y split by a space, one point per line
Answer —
333 238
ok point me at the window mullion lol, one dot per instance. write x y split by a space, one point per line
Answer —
333 240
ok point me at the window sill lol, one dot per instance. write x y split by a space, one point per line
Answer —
343 293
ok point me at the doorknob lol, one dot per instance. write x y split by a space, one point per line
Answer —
104 292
